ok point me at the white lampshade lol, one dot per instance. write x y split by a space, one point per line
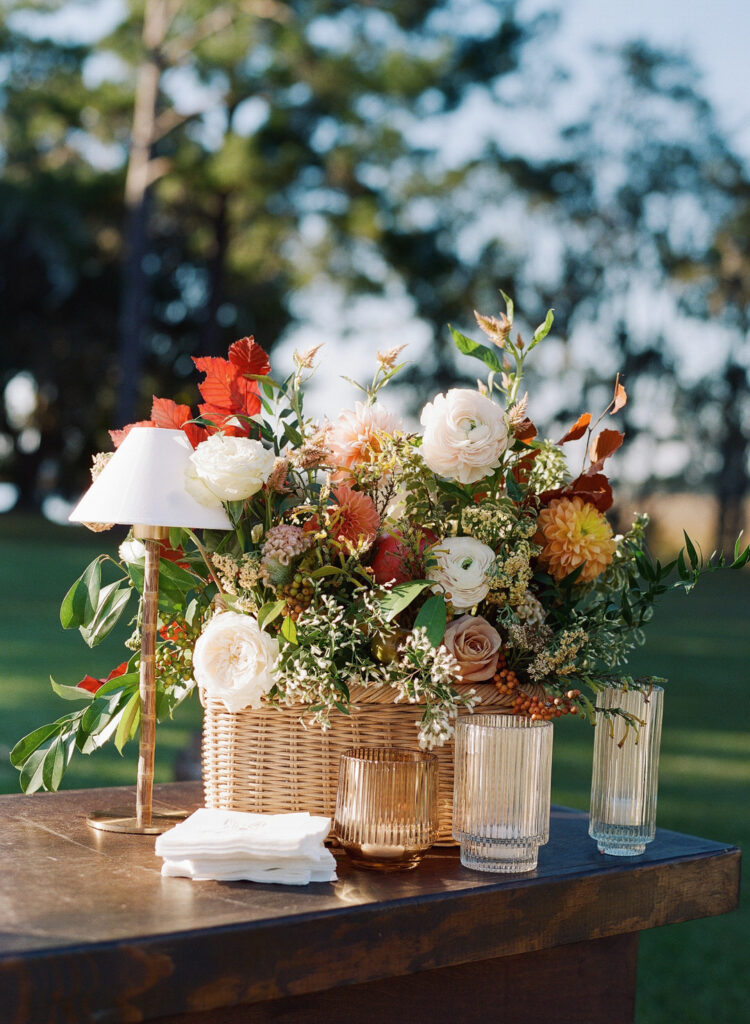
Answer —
144 484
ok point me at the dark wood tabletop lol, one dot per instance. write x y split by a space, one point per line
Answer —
91 931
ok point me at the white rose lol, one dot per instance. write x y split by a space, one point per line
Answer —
461 570
233 660
227 469
465 435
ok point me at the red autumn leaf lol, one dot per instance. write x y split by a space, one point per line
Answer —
578 429
118 436
168 414
226 393
620 398
604 444
221 420
248 357
216 389
593 488
523 467
92 685
525 431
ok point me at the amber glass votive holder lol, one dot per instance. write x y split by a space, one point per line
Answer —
387 806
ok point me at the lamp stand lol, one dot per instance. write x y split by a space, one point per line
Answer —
145 821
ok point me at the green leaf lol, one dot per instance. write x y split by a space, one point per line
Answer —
176 536
542 330
54 766
269 612
433 616
512 487
31 742
264 379
70 692
174 583
289 630
112 602
31 773
293 436
448 487
741 560
401 596
476 349
129 721
326 570
80 601
737 547
509 307
128 681
692 553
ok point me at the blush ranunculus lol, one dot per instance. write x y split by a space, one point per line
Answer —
465 435
461 570
233 660
475 644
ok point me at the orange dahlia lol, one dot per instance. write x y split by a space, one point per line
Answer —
574 532
355 518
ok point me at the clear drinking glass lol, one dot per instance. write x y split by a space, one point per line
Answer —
387 806
501 791
625 777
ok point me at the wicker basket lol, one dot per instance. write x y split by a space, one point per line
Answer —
267 761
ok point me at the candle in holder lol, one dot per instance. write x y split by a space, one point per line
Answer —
387 806
501 796
626 771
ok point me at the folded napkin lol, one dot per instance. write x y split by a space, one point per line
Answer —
236 845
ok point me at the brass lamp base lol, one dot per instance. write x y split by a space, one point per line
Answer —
123 821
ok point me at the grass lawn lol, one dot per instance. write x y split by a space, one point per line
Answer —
689 973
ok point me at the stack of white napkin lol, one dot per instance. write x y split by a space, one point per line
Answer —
234 845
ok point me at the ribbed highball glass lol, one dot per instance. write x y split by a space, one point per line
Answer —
387 806
625 776
501 792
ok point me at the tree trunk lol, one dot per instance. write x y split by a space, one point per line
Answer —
733 483
140 175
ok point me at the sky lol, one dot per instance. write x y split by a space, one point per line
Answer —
716 34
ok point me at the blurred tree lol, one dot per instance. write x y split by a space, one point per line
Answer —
248 162
59 246
653 209
268 156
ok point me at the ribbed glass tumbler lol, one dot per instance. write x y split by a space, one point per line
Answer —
625 776
387 806
501 791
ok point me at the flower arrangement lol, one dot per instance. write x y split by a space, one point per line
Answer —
363 555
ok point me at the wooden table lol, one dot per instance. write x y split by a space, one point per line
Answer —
92 932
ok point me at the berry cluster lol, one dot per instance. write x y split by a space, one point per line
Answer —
538 708
298 596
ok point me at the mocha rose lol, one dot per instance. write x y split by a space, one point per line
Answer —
475 645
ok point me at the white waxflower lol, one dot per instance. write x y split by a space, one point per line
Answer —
226 468
465 435
461 570
233 660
